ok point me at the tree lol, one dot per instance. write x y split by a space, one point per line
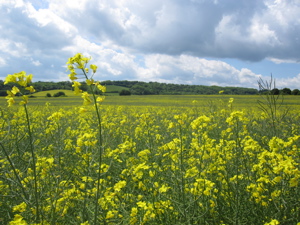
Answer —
286 91
124 92
60 93
3 93
295 92
275 91
48 95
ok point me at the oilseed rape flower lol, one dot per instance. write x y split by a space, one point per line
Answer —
20 78
20 208
273 222
18 220
79 62
23 80
94 68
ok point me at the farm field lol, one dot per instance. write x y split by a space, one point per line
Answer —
164 160
204 101
135 160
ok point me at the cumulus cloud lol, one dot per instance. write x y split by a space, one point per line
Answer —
159 40
248 30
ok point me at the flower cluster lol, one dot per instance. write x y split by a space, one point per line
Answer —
77 65
22 80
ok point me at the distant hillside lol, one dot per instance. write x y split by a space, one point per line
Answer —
141 88
155 88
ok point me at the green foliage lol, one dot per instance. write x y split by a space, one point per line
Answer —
3 93
275 91
271 104
286 91
48 95
295 92
59 94
124 92
155 88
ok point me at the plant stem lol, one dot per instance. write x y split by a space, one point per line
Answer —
15 171
36 195
101 149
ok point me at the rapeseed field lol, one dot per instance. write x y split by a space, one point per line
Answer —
120 164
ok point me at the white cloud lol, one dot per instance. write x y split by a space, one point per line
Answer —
289 82
36 62
192 70
2 61
158 40
279 61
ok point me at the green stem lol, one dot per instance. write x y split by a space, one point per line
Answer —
36 195
15 172
101 150
182 173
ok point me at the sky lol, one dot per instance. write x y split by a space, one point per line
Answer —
202 42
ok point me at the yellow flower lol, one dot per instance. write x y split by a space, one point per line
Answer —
18 220
110 214
93 67
76 86
30 88
72 76
100 99
20 208
25 100
134 211
10 102
86 98
82 110
118 186
15 90
89 81
273 222
101 88
163 189
221 92
142 204
10 78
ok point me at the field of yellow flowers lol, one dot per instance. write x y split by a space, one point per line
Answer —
109 164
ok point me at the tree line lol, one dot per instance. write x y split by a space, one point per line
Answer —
153 88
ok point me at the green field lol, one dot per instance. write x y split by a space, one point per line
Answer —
206 101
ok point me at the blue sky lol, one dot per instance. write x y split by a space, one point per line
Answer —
206 42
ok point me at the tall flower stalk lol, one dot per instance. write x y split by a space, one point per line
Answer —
271 104
79 63
23 81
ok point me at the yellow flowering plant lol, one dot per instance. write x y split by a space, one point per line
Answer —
23 80
77 65
160 164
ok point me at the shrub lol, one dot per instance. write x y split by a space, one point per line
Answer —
59 94
124 92
48 95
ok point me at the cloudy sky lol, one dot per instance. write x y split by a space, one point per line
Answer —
207 42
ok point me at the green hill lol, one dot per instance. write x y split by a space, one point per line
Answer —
115 88
52 92
110 90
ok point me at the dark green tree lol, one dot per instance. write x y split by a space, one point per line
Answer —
124 92
295 92
275 91
286 91
59 94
